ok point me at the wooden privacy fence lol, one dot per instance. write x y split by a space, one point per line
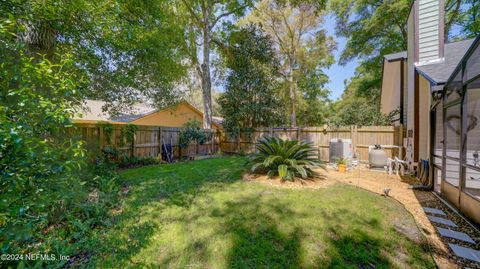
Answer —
147 140
362 138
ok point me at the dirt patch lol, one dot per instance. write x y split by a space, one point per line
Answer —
314 183
408 230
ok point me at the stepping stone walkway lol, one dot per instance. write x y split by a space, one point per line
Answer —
442 221
455 235
466 253
434 211
460 251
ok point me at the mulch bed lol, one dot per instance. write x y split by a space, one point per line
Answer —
315 183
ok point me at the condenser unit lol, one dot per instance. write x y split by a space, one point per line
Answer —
340 149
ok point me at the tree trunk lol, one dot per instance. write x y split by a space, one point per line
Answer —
293 115
40 38
206 79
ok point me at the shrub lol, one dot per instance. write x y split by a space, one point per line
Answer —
192 133
285 158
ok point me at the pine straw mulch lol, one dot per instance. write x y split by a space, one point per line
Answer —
315 183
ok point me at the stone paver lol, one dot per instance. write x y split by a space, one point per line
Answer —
455 235
442 221
466 253
434 211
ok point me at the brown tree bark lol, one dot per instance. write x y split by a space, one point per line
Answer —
206 79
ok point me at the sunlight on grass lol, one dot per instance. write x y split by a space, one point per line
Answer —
200 215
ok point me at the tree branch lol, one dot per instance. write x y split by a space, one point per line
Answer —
226 14
192 12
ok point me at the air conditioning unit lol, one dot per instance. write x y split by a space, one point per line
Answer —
340 149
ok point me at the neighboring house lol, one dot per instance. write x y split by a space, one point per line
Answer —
173 116
436 87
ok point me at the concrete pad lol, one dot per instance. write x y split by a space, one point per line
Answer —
455 235
466 253
442 221
434 211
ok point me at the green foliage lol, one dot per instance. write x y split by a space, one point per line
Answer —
341 161
285 158
304 50
128 134
469 18
46 188
250 99
362 112
107 129
126 49
192 133
374 29
315 106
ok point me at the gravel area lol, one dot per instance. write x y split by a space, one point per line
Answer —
463 226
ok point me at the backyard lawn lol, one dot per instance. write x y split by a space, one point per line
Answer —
200 214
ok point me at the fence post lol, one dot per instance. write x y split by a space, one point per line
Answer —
238 141
352 129
133 144
400 141
354 137
100 137
160 142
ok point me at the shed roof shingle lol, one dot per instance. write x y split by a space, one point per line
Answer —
93 111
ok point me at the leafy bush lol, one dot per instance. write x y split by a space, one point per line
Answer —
51 202
285 158
192 133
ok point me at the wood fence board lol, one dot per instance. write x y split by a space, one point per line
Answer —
149 139
362 138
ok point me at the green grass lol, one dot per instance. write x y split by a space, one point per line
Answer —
200 215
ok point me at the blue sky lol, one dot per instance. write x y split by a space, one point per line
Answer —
338 73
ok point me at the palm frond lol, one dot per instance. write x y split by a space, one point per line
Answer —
286 158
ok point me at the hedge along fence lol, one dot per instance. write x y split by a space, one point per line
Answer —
146 141
362 138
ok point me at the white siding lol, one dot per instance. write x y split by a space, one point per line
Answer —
428 31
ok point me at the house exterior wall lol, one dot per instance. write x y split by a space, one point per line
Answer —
390 98
174 116
409 143
424 119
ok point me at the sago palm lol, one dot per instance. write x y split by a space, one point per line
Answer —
285 158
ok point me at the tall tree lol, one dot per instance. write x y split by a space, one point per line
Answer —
301 43
203 18
250 99
373 29
469 18
127 50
